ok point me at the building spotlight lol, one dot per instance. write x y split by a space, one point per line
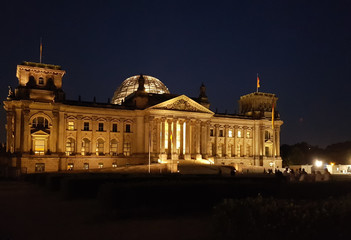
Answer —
318 163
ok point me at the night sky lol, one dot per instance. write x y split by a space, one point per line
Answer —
301 50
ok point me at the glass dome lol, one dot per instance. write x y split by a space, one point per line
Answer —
130 85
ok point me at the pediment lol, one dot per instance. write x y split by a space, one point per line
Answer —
40 133
182 103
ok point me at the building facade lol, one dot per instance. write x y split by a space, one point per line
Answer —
46 132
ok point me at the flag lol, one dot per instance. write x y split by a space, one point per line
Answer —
273 115
258 82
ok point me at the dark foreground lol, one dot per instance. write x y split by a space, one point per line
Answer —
111 206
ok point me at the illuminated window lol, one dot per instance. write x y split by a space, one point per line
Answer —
114 127
230 133
248 134
114 164
211 132
101 165
70 166
40 167
39 146
86 166
113 148
86 126
101 127
41 81
70 125
239 134
70 146
40 122
126 149
127 128
85 146
221 133
100 147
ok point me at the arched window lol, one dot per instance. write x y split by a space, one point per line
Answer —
40 122
113 147
267 135
100 147
85 146
70 146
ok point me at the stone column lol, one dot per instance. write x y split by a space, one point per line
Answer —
169 150
204 136
225 150
18 121
278 141
163 154
174 140
181 149
216 132
198 140
235 153
158 138
245 141
79 128
187 140
26 131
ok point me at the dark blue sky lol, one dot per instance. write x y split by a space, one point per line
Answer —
301 49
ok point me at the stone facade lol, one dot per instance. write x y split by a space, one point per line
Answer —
46 132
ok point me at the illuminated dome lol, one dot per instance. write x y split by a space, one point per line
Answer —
130 85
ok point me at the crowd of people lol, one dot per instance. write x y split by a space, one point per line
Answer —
301 175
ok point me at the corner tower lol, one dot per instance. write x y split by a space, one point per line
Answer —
37 81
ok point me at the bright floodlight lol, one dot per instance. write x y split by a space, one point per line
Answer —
318 163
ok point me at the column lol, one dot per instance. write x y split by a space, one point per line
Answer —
245 141
181 149
278 141
163 130
198 140
26 131
187 140
235 153
169 150
225 150
216 140
203 139
158 138
174 140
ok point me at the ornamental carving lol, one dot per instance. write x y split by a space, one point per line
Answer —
182 105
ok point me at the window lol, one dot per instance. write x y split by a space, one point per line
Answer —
39 146
248 134
267 135
114 127
126 149
127 128
101 165
114 164
101 127
239 134
100 147
40 167
211 132
70 166
40 122
86 166
41 81
85 146
221 133
113 147
230 133
70 125
86 126
70 146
